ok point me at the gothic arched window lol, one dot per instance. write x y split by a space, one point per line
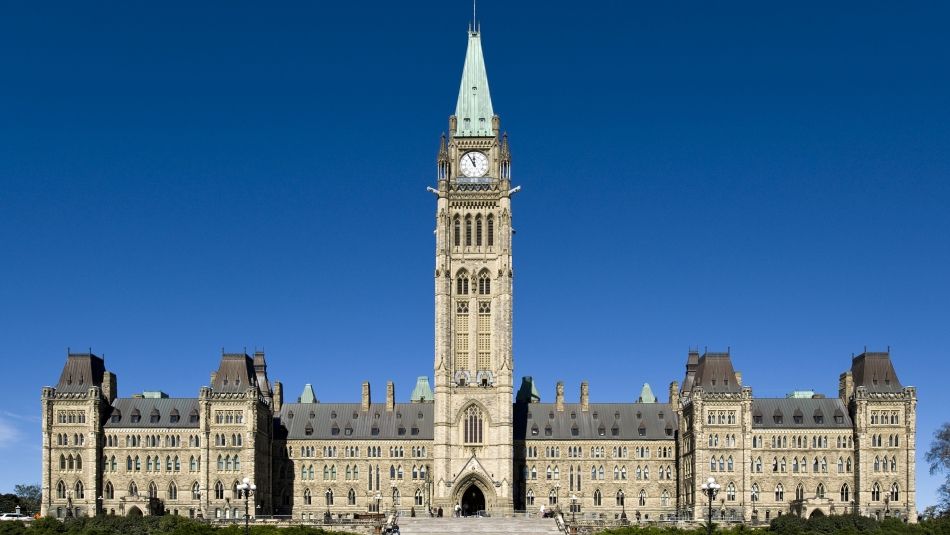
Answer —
468 230
473 425
491 231
478 230
895 492
876 493
484 283
457 231
597 498
109 491
461 283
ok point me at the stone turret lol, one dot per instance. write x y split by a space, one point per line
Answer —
365 397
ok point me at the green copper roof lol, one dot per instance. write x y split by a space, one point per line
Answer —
474 111
308 396
422 391
646 394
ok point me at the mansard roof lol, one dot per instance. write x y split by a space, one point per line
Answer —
163 408
330 421
875 371
633 421
828 410
82 371
235 374
714 373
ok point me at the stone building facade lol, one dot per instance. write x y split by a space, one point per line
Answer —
474 441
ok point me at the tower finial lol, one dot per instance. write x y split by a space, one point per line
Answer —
474 19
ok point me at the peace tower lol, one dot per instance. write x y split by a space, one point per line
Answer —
473 299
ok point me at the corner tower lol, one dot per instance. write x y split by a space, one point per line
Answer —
473 301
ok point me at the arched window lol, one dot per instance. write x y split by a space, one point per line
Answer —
598 497
62 462
80 490
133 489
61 490
665 498
755 492
152 490
307 497
218 491
457 231
461 283
529 497
172 491
491 231
552 498
845 494
328 497
875 493
418 497
642 498
731 492
620 498
468 230
351 497
109 491
473 425
478 230
779 493
220 463
799 492
484 283
877 464
895 492
195 491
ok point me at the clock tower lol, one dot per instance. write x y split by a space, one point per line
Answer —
473 302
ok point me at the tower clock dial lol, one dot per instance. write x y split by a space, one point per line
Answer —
474 164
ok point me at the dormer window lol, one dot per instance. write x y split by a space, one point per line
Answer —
374 431
548 431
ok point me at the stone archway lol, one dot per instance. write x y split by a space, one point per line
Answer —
473 494
816 513
134 511
473 500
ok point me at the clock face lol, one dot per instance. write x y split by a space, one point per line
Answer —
474 164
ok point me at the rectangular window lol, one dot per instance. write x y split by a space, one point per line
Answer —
461 335
484 336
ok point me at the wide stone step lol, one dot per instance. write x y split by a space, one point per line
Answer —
485 526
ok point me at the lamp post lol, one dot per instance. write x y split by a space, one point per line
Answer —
710 488
573 506
99 508
69 504
326 500
392 484
378 498
246 489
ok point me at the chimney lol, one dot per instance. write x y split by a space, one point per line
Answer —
390 396
845 386
674 395
213 375
110 386
365 401
739 378
559 396
278 396
585 399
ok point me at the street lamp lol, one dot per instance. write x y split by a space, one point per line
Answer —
246 489
378 498
69 504
710 488
99 508
393 485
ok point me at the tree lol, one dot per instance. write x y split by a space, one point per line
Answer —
939 458
30 496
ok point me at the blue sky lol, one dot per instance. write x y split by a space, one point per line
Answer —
179 178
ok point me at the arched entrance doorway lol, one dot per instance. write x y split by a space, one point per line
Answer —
816 513
473 500
135 511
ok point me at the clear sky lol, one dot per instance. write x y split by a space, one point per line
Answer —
181 177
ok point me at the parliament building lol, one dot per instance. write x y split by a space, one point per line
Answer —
477 439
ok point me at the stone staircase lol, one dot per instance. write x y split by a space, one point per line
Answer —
481 525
